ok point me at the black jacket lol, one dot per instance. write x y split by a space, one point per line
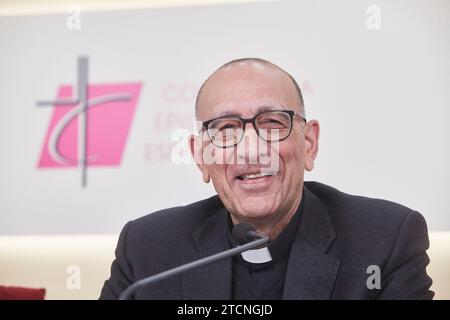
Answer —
338 238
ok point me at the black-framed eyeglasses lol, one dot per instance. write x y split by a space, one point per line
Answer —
271 125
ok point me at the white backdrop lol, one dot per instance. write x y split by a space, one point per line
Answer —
381 96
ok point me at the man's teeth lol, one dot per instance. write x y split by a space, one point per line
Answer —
256 175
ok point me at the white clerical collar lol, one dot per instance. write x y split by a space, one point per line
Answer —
261 255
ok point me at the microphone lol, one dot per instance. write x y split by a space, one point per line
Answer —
243 233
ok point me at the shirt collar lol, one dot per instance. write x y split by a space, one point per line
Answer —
276 249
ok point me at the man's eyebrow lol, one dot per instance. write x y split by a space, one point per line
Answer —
260 109
227 114
270 107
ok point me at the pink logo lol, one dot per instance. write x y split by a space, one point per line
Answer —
88 127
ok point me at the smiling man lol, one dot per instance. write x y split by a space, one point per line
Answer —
255 145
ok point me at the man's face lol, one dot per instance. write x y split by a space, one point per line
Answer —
245 90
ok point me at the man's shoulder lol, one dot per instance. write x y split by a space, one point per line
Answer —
343 206
364 224
181 220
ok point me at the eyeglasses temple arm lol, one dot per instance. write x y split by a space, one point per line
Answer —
298 114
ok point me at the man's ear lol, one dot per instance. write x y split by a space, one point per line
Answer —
312 131
196 147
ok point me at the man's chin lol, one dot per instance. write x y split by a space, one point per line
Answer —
254 209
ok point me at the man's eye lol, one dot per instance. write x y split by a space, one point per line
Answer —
228 126
271 122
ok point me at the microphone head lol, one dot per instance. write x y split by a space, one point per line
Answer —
243 233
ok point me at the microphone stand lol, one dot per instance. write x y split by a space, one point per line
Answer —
125 295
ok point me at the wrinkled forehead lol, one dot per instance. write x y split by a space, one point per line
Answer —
244 88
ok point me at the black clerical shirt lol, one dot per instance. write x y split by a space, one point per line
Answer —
264 281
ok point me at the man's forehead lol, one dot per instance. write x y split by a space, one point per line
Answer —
244 86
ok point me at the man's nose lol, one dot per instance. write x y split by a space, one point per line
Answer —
248 150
